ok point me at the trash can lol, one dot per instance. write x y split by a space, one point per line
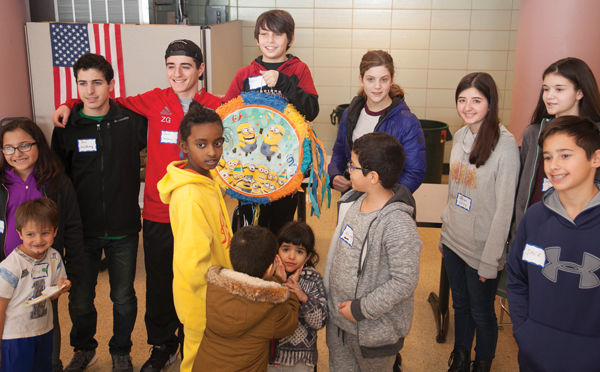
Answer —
436 135
336 114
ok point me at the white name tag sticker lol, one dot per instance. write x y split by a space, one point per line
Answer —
546 184
463 201
256 82
534 255
347 235
39 271
1 227
168 136
87 145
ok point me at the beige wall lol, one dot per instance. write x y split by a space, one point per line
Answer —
433 42
538 46
15 99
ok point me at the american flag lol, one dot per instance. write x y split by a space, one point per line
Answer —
70 41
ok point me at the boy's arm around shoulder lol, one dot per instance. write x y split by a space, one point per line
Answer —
402 245
517 281
314 311
285 317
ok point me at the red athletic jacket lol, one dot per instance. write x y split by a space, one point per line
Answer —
164 113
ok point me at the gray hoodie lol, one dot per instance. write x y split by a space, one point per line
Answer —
476 220
388 272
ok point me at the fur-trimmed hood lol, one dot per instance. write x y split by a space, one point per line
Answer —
246 286
237 302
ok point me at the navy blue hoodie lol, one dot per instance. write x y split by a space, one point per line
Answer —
555 309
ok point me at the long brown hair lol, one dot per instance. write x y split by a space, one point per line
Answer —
579 73
47 168
376 58
489 131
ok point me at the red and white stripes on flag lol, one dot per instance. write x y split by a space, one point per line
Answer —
70 41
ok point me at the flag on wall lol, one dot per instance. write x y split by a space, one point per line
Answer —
70 41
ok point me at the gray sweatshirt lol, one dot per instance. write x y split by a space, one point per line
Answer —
385 275
476 220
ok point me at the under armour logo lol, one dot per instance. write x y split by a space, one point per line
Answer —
166 111
587 278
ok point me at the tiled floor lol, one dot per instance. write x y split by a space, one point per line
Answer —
421 352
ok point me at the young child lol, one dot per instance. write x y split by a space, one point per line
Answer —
552 282
372 267
245 308
100 150
29 170
287 75
297 249
201 228
28 270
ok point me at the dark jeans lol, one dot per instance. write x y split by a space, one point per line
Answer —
273 216
121 256
161 318
473 303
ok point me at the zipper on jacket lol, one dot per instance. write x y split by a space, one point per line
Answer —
102 192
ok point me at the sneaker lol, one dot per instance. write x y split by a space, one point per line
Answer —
121 363
160 358
81 360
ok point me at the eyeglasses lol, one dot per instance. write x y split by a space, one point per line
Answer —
352 167
24 147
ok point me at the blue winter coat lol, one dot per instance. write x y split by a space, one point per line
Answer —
398 121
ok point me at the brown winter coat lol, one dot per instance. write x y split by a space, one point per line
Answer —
243 314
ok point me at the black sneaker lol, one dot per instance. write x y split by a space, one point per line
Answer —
160 358
81 360
121 363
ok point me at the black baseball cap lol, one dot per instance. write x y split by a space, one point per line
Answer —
185 47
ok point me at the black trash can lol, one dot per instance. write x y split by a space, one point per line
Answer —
436 135
336 114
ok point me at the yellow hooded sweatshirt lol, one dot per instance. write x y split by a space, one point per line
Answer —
202 234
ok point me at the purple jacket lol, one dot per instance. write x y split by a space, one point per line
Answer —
397 121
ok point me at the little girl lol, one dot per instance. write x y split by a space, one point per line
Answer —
298 352
201 227
30 170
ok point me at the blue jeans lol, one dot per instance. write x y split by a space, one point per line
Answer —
473 303
121 256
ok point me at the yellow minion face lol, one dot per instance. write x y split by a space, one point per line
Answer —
274 134
246 133
261 174
268 187
256 188
249 170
